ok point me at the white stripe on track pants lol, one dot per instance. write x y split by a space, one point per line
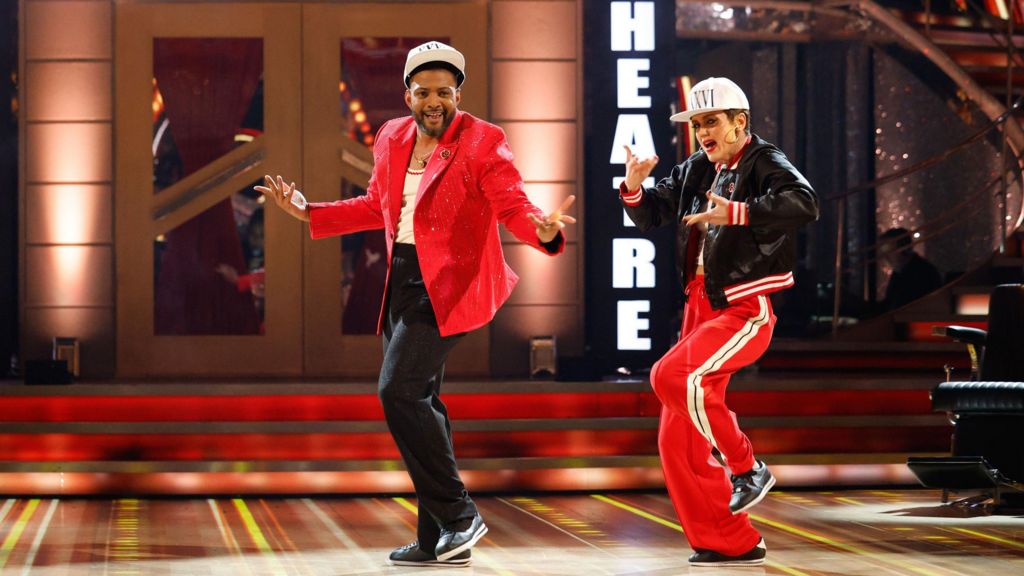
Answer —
690 380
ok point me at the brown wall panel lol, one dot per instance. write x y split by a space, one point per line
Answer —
513 327
68 214
68 91
534 91
67 289
68 152
80 29
535 51
544 151
94 328
542 30
544 279
69 276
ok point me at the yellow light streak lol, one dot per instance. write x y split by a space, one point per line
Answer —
1010 543
678 528
16 531
840 545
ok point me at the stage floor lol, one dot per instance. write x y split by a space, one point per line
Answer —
813 533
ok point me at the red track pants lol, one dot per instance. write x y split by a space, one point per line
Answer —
690 381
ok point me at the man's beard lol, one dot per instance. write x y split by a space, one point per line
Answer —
434 132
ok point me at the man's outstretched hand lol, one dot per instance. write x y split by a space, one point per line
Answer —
284 194
549 226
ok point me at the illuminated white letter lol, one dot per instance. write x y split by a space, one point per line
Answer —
630 324
632 29
630 82
632 259
633 130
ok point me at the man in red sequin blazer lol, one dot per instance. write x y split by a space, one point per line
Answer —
467 187
442 180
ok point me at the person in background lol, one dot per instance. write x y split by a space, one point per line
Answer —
913 276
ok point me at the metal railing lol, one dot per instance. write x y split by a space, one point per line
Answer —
947 219
906 33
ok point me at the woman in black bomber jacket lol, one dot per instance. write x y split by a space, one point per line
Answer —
736 205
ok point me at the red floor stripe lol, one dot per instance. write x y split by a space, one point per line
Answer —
562 443
366 407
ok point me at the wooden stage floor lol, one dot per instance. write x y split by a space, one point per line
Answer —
812 533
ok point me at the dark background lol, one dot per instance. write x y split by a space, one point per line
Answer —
8 184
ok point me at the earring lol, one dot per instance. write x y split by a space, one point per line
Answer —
735 138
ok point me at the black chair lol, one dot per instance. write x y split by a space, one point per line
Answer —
987 412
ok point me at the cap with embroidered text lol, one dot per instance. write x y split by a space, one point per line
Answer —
435 52
712 95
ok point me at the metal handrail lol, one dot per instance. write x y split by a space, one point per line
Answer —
932 226
930 161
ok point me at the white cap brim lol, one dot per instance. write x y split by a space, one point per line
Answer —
688 114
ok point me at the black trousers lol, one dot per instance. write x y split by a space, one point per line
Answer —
409 388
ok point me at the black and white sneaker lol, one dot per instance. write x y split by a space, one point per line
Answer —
453 541
412 555
750 488
753 557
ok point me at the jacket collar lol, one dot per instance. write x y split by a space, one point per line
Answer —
442 156
401 144
735 161
405 135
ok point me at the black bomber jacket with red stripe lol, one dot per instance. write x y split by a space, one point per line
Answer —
753 254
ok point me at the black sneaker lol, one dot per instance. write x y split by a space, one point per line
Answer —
453 542
753 557
413 555
750 488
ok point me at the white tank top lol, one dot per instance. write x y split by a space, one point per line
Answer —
412 184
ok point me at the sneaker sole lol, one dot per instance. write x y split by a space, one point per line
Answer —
469 544
756 501
758 562
434 563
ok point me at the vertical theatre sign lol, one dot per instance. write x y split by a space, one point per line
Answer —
632 295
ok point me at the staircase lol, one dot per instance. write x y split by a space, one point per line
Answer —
975 38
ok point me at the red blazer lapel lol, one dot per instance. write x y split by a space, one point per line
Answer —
440 160
400 149
442 157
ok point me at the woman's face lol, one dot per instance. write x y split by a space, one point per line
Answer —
720 137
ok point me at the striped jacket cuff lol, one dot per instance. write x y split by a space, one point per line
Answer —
631 198
738 214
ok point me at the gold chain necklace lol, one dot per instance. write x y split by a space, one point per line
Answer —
423 160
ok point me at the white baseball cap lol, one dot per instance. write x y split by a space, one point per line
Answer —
712 95
435 52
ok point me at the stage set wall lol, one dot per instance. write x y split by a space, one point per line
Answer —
68 279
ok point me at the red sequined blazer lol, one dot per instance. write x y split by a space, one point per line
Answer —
470 185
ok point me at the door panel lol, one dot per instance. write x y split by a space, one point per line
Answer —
209 97
199 291
354 55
